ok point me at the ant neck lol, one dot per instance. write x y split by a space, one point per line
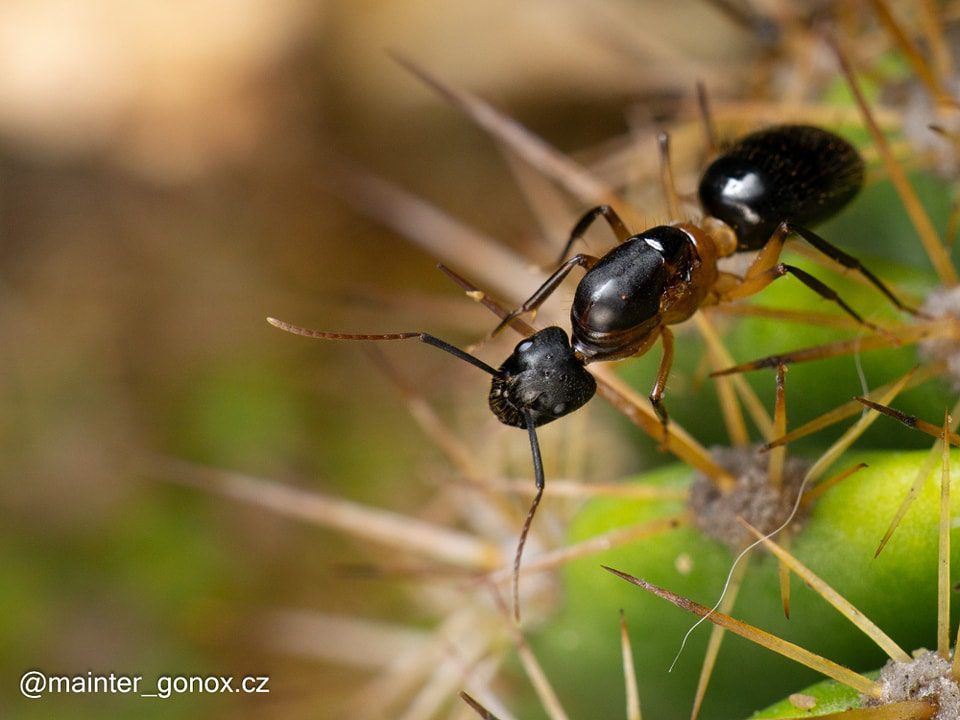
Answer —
723 236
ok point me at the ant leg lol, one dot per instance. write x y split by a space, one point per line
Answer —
545 290
608 214
769 254
666 175
620 396
706 117
492 305
540 483
850 262
660 386
753 285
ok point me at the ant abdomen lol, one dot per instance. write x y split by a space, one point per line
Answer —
798 173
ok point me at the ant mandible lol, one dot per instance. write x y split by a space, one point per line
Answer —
755 194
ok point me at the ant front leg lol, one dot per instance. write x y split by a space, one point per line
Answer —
608 214
546 290
660 386
540 482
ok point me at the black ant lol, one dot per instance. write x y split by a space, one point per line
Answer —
755 194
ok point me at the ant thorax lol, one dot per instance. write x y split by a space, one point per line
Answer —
753 498
654 278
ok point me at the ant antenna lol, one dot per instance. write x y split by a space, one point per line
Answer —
528 420
422 337
540 482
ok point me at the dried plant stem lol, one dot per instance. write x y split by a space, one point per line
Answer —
918 215
843 606
716 638
400 532
943 574
760 637
629 672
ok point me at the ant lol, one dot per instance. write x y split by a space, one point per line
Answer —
764 188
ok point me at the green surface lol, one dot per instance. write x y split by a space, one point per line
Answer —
896 590
828 697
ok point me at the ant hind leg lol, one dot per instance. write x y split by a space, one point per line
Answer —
851 263
753 285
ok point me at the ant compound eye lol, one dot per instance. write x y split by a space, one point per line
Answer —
560 409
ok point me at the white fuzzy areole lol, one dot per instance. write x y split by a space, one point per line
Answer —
927 675
941 304
752 498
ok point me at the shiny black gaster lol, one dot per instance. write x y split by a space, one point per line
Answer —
796 173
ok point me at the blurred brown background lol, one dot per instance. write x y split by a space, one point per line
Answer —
165 184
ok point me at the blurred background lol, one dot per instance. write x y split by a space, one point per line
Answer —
173 172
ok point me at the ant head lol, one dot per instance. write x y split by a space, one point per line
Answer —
543 377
